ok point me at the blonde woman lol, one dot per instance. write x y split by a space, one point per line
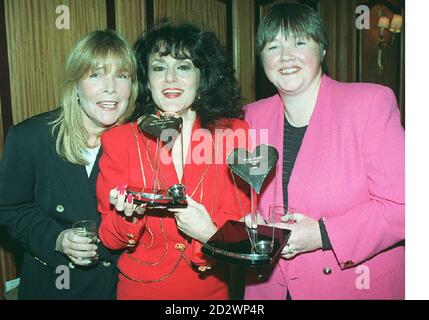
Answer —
49 169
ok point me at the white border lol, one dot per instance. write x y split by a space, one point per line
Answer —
417 149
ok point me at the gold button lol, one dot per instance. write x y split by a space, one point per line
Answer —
204 268
130 235
180 246
327 270
106 264
60 208
131 243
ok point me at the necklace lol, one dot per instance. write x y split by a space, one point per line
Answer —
155 171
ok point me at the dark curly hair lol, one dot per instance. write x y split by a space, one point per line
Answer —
219 94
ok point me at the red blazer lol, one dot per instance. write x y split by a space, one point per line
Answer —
153 257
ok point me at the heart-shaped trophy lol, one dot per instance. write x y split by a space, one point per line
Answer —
237 242
156 126
253 167
165 129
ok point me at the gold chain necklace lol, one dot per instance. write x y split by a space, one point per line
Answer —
182 250
149 230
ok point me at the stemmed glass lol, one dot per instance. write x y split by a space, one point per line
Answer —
276 213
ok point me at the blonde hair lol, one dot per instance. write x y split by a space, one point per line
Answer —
104 48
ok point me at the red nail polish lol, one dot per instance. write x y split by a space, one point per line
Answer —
122 188
130 198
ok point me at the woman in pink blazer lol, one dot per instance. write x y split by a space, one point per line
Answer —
340 171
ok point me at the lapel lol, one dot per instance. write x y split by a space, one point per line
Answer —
276 140
196 170
94 174
75 180
313 145
273 116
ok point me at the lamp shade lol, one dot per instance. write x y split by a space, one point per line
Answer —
396 24
383 22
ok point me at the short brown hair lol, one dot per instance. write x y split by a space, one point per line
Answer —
292 19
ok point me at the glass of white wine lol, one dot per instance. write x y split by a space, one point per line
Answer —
87 228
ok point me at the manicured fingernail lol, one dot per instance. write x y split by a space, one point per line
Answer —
122 188
130 198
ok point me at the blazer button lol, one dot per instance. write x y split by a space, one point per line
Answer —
60 208
106 264
327 270
131 243
180 247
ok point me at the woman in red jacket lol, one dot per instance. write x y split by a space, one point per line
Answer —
182 71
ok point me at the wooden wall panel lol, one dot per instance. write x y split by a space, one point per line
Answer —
131 18
243 47
263 6
209 14
37 49
390 57
339 18
7 265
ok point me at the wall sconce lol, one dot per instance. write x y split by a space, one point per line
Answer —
394 27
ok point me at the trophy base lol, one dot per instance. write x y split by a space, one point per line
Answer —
153 198
231 244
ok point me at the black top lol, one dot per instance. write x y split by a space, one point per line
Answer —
292 140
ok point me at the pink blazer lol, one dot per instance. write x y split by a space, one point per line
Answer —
350 171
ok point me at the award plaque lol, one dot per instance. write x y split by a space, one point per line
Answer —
173 197
163 129
155 126
232 244
237 242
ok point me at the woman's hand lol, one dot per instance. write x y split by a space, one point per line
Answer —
124 203
194 221
78 249
305 236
